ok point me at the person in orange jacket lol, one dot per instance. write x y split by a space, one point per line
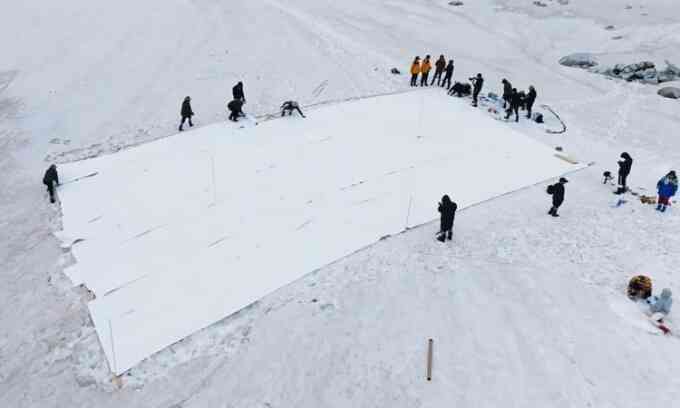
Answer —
415 70
425 68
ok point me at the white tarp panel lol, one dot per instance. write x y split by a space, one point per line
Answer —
182 232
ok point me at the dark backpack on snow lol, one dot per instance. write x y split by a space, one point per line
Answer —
550 189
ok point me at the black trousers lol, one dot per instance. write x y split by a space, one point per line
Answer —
530 105
235 115
50 190
184 119
423 78
509 112
447 81
622 180
414 79
475 96
437 77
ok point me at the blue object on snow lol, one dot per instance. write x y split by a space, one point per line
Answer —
661 304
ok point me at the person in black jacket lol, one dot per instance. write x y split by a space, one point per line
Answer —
625 164
51 178
477 83
237 92
236 110
439 66
448 75
507 92
186 113
530 99
447 209
557 192
515 100
289 107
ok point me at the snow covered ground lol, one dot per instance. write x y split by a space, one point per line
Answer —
524 310
175 235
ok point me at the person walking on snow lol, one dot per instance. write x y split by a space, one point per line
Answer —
666 187
237 92
425 68
557 192
438 70
449 75
186 113
415 70
514 101
530 99
51 178
477 84
625 164
447 209
289 107
236 110
507 92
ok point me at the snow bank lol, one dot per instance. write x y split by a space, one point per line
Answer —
185 231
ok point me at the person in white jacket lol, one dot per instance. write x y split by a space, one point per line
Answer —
661 304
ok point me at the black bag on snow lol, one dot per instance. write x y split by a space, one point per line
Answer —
550 189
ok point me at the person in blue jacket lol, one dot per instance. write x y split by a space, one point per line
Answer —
666 187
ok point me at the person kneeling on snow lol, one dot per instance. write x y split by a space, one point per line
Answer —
289 107
661 304
666 187
236 109
639 288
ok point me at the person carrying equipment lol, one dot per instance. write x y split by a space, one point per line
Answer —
289 107
51 178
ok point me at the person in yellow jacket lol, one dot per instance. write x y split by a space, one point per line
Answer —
639 287
425 68
415 70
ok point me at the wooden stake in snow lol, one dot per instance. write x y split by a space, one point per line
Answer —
429 360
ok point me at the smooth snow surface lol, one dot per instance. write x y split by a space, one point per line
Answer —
185 231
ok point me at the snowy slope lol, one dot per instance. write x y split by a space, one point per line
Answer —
524 310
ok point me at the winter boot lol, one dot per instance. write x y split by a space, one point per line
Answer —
663 208
441 237
658 207
449 236
180 128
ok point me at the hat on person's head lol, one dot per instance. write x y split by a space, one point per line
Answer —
563 180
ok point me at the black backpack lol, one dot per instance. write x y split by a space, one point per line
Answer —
550 189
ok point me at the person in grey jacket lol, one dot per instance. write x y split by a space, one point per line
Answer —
661 304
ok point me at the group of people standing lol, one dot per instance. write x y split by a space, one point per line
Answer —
441 67
513 100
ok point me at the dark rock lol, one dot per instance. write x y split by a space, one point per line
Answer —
670 92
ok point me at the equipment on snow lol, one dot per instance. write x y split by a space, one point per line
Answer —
429 359
554 132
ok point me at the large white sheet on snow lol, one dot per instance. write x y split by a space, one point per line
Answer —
185 231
